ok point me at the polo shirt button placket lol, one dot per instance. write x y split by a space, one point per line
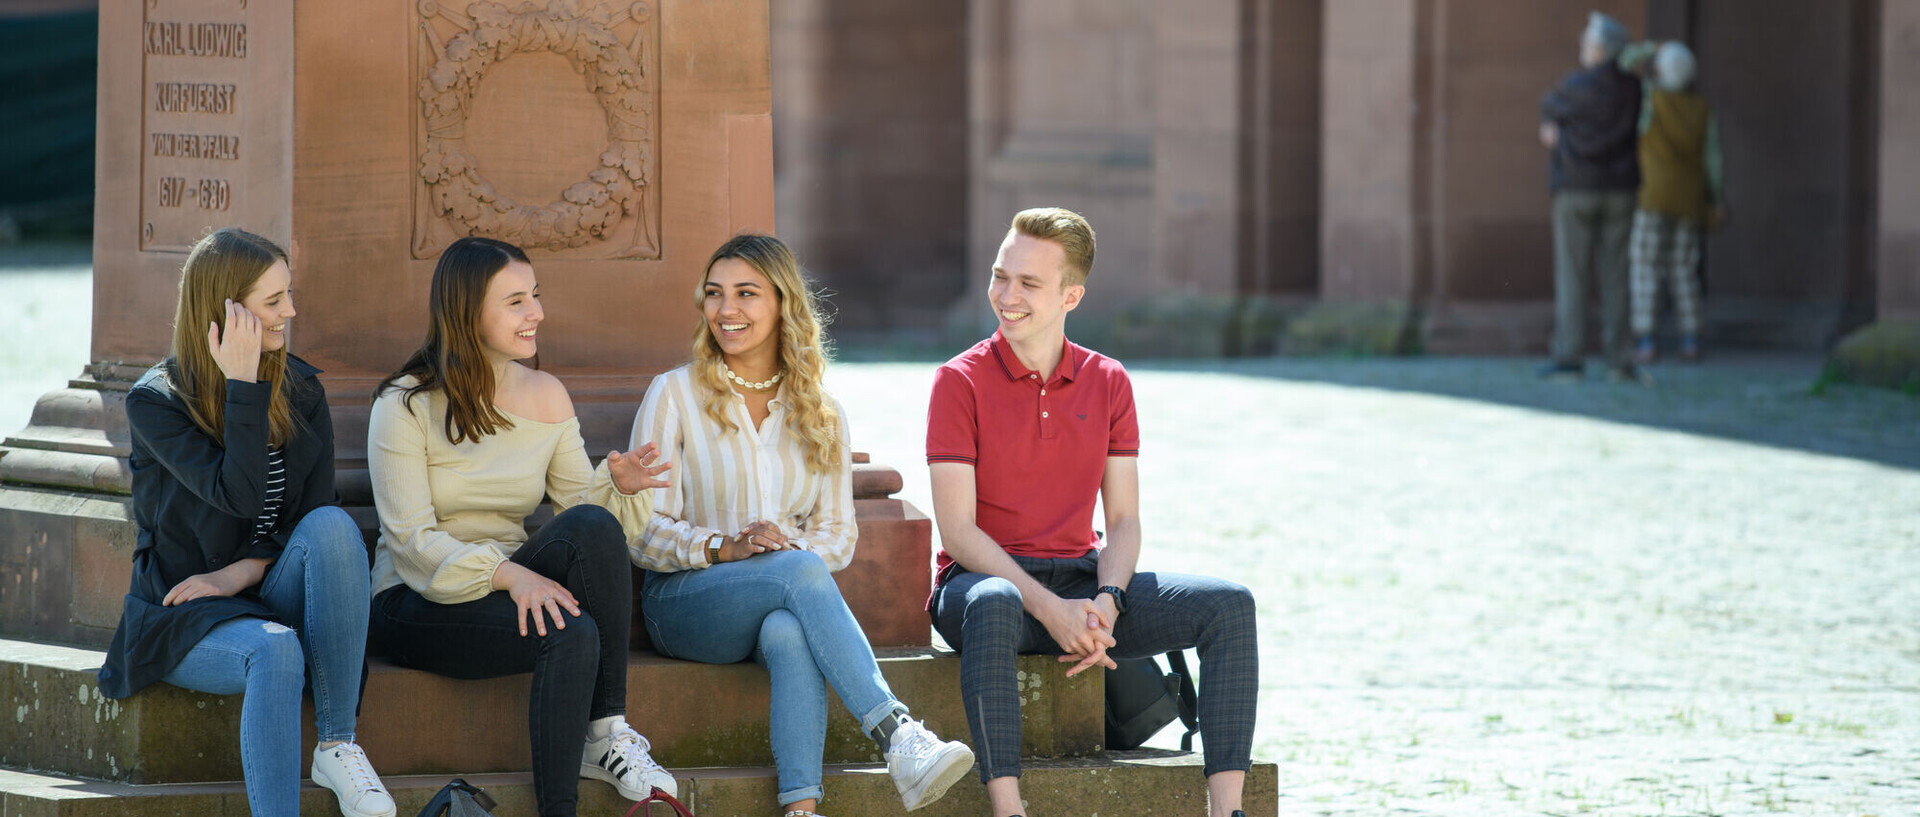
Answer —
1046 426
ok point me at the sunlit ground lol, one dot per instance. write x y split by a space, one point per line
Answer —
50 292
1484 595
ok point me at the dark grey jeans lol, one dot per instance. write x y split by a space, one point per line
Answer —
1590 232
579 673
982 617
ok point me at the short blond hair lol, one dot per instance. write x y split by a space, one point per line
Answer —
1068 229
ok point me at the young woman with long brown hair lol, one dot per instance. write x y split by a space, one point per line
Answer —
247 578
463 444
741 548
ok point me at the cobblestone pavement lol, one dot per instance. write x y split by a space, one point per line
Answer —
1481 594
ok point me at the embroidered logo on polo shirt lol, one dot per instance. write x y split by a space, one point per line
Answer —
1081 416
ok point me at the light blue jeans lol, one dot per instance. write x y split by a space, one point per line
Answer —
784 610
319 587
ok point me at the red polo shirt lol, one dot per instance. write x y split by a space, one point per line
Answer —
1039 448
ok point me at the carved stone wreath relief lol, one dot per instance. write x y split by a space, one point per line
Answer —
613 212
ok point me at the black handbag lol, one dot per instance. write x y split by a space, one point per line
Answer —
459 799
1142 699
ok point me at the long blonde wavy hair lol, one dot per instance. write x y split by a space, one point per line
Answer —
224 265
803 350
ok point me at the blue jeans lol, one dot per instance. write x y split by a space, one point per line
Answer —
784 610
319 587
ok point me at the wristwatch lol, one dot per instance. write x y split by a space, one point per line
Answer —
1119 597
714 544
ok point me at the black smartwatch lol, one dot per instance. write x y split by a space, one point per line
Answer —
1119 597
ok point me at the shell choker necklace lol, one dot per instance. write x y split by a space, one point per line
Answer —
748 384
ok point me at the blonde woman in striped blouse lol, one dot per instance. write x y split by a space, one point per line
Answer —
741 546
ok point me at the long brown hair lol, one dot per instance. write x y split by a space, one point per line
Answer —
224 266
452 358
803 349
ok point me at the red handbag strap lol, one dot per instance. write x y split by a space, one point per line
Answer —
659 796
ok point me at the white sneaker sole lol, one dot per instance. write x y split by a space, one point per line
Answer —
594 772
948 769
320 779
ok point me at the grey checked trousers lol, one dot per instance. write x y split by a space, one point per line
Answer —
1590 231
1665 250
982 617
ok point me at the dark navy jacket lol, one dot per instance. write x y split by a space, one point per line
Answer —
197 500
1598 112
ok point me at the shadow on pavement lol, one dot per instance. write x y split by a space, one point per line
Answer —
1764 398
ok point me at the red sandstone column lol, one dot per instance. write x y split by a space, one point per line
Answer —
1899 178
1126 112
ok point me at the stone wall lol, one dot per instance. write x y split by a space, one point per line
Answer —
870 141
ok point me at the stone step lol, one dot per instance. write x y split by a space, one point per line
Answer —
1140 783
53 718
66 557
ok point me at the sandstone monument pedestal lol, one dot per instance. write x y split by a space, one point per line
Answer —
617 156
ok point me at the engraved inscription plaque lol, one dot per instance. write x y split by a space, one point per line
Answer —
495 161
193 157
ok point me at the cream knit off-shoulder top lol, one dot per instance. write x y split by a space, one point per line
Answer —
450 514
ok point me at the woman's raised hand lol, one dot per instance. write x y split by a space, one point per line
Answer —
635 471
237 350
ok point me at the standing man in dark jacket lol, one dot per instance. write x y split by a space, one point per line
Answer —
1590 122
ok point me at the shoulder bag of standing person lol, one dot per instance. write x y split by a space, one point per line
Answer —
459 799
1142 699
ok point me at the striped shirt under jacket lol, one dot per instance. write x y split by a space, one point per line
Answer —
724 480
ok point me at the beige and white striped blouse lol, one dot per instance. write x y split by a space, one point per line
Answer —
724 480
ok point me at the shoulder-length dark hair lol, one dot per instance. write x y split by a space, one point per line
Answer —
452 360
224 265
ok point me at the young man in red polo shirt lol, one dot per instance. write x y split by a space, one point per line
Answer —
1024 431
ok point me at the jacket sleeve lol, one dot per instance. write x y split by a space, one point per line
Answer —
831 530
229 475
669 543
1715 163
436 565
1559 104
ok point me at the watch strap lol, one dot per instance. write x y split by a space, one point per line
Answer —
1119 596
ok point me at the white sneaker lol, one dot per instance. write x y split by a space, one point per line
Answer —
621 759
344 769
922 765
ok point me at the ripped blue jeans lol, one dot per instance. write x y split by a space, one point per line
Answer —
319 587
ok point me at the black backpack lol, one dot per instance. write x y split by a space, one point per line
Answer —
1142 699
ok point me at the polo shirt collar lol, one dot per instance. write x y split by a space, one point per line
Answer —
1071 358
